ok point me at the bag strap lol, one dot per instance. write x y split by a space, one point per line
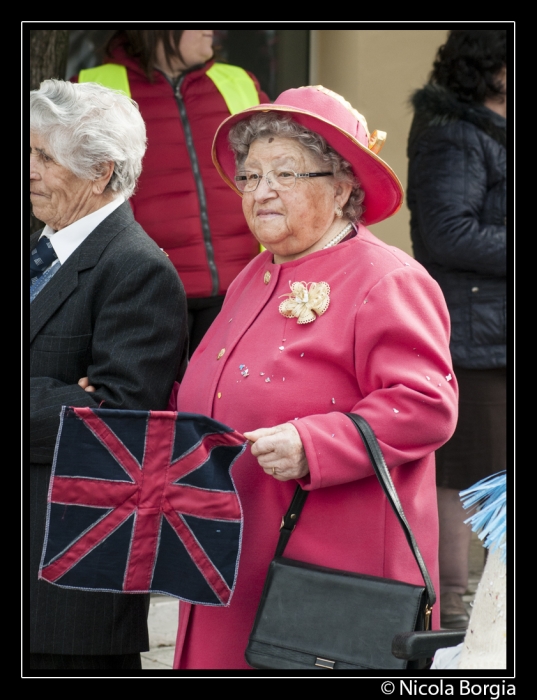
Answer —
384 476
290 519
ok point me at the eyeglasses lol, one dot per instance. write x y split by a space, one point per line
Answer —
276 179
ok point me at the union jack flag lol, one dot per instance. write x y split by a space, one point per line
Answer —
144 501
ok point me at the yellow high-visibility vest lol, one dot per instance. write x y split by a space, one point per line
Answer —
111 75
232 82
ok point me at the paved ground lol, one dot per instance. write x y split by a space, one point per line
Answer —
163 615
163 619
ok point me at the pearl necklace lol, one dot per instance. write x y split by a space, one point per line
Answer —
341 235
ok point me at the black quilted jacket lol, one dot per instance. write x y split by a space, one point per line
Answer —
456 194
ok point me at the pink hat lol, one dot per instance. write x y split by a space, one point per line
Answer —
345 130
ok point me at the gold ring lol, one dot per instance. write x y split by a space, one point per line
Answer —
273 471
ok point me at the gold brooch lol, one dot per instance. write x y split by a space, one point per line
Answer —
306 301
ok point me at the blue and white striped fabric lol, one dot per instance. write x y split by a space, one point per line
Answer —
489 520
37 283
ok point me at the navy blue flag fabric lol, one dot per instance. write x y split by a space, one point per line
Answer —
144 501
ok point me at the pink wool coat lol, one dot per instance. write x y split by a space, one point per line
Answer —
381 349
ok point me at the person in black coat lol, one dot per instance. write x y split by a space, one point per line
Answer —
106 307
456 194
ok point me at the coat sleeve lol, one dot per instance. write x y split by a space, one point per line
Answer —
139 341
403 369
451 186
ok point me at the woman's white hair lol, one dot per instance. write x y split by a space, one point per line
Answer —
245 132
87 125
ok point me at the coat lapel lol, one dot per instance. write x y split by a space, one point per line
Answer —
86 256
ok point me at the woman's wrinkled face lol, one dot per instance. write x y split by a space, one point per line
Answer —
58 196
294 222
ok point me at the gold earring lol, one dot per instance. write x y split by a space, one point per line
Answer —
339 211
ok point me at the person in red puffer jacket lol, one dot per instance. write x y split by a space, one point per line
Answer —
181 200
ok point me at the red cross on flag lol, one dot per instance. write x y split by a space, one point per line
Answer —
144 501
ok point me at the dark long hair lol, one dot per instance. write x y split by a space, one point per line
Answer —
142 45
469 62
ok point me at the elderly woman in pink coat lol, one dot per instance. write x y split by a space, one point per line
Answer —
327 319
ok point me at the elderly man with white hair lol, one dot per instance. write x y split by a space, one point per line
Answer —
106 305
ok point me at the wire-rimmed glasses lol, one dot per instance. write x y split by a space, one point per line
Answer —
247 181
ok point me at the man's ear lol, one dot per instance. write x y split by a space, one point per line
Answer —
100 183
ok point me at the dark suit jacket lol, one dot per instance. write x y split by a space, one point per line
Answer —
115 312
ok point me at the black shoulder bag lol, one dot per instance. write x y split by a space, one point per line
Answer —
312 617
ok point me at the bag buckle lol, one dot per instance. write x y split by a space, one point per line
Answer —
428 611
293 516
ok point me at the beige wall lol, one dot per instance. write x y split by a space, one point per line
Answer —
376 70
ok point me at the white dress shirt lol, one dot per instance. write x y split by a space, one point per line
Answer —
67 240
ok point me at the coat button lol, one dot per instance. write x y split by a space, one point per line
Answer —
266 278
221 353
475 289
